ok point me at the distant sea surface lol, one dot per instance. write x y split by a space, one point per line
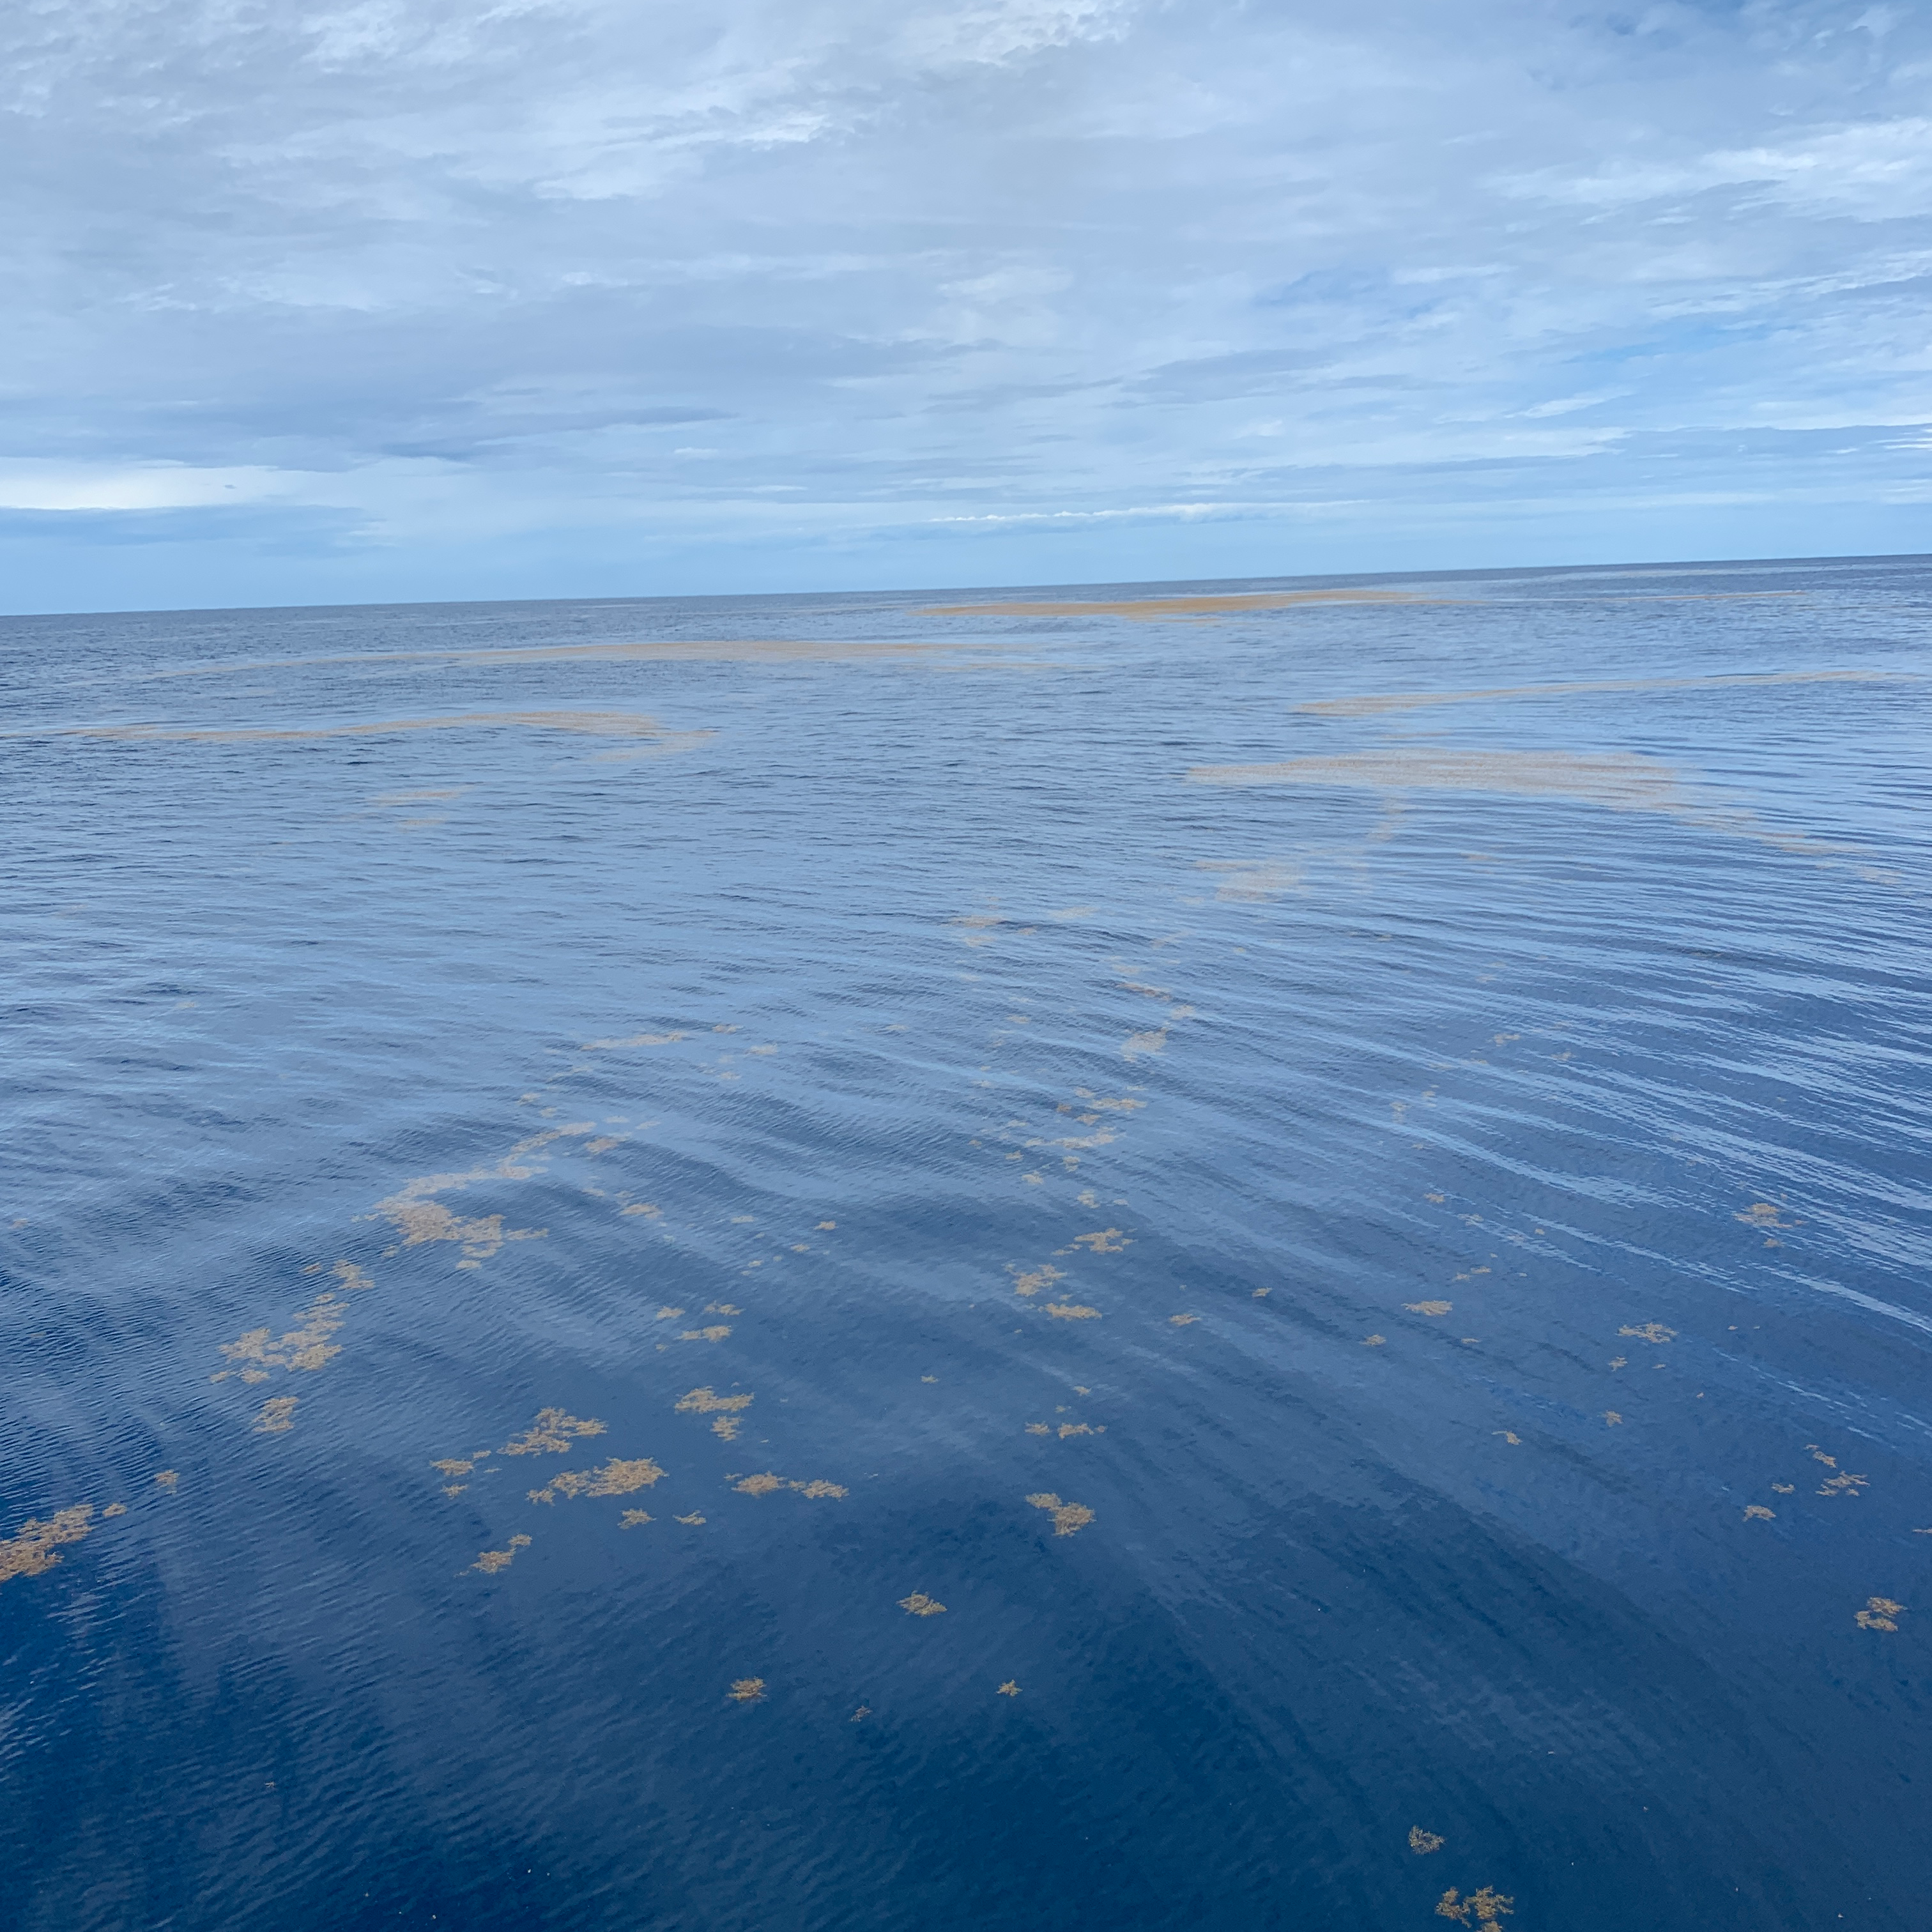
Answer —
1235 1255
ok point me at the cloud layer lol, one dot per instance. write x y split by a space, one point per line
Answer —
410 298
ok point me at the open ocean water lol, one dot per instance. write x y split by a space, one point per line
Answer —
1250 1256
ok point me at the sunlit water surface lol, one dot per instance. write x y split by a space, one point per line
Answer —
749 1264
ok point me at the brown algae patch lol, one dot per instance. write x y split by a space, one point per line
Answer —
1071 1311
1430 1307
1880 1613
34 1549
416 1214
277 1415
632 725
1489 1908
554 1433
1421 1842
489 1562
700 650
1030 1283
1211 604
1624 781
708 1402
634 1519
918 1604
1374 704
767 1484
1068 1518
307 1348
616 1478
1652 1332
1104 1241
747 1690
1617 780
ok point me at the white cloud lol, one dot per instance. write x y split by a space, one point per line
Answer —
1021 265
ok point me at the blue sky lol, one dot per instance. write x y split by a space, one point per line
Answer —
411 299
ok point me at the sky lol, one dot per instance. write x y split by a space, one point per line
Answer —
432 299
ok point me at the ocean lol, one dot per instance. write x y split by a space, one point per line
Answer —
1238 1255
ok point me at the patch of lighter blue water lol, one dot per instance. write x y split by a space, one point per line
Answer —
879 1262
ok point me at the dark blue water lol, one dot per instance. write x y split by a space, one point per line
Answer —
1373 1258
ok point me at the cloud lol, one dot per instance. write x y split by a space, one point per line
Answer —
449 288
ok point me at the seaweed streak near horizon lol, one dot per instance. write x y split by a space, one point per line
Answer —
1263 1262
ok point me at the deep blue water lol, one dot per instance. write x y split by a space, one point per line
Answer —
1054 1076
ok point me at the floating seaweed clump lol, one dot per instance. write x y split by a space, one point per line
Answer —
918 1604
767 1484
1489 1907
307 1347
1652 1332
616 1478
747 1690
1067 1517
1880 1613
1420 1841
31 1550
553 1434
705 1402
1031 1282
490 1560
